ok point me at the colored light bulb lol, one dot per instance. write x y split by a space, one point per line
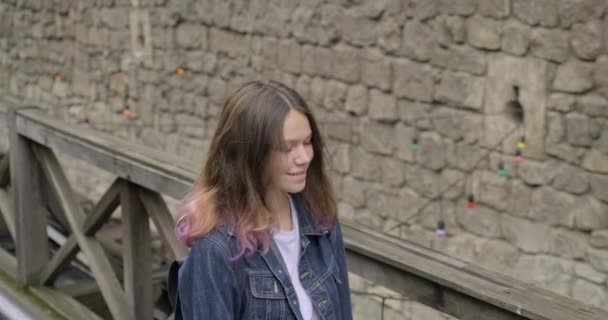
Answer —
181 71
501 169
519 158
522 143
440 231
415 145
471 201
58 77
126 111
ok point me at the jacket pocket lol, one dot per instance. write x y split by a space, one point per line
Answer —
266 287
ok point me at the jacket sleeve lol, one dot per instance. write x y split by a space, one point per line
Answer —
207 285
340 255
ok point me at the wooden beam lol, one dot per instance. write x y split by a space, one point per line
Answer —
8 263
63 304
103 208
93 222
30 220
5 173
461 289
98 262
8 211
137 254
153 169
160 214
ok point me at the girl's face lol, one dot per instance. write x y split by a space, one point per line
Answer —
288 165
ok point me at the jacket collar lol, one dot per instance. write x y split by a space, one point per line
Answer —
305 222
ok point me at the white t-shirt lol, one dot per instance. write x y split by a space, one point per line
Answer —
289 246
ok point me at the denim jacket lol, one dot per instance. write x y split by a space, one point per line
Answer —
211 286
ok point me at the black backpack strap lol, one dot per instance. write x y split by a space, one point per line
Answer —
173 288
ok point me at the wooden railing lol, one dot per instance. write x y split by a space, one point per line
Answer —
40 189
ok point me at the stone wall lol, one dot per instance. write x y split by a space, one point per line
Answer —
377 73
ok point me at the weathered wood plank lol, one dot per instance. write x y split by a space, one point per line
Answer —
149 168
137 254
59 261
160 214
8 211
103 208
8 263
63 304
98 262
5 173
460 282
30 221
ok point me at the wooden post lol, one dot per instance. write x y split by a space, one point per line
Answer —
30 219
137 254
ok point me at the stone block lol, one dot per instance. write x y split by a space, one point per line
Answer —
357 100
464 156
591 214
581 130
403 136
561 102
599 186
599 239
595 161
573 77
590 293
346 64
335 95
458 7
376 70
356 29
290 56
418 41
484 33
533 173
393 173
481 220
598 259
572 11
421 9
552 273
568 244
555 208
585 271
377 137
495 8
353 192
365 166
497 255
424 181
592 105
230 43
462 246
529 236
461 90
569 178
337 127
412 80
549 44
382 106
460 58
340 157
566 152
432 153
415 113
490 189
542 13
586 40
449 30
193 36
600 75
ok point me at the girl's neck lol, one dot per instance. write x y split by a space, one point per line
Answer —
278 204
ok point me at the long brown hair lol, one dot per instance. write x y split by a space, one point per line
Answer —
231 190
